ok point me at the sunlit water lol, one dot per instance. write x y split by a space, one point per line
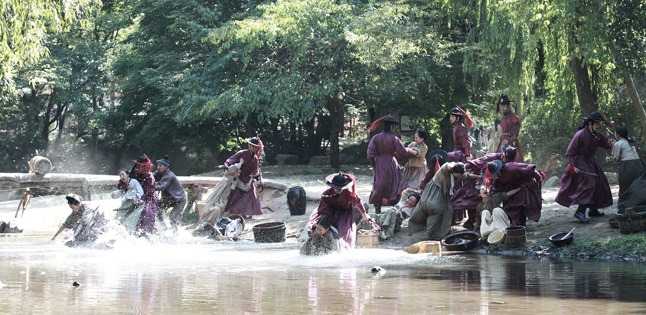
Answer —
193 275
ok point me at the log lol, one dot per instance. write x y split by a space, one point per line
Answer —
24 180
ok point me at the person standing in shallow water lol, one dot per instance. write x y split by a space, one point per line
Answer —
338 204
583 182
383 151
246 202
141 172
172 193
509 125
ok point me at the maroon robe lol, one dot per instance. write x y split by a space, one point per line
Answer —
461 144
581 189
527 201
465 194
510 128
245 203
146 223
383 151
340 209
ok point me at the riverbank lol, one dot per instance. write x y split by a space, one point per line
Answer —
595 240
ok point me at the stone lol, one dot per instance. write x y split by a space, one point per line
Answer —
286 159
320 160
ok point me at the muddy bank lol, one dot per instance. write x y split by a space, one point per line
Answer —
595 240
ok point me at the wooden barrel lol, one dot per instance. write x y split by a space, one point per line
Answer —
516 236
367 238
39 165
296 200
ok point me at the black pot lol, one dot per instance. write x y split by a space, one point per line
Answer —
461 241
272 232
296 200
557 240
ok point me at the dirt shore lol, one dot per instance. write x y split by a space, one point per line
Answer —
554 219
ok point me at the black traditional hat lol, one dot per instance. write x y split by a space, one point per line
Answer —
596 117
495 166
73 199
254 141
441 154
142 159
456 111
164 161
339 181
502 100
386 119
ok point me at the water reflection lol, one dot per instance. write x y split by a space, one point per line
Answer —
194 276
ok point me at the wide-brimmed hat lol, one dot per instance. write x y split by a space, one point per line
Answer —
596 117
495 166
456 111
504 100
391 119
444 157
142 159
164 161
254 141
73 199
339 181
386 119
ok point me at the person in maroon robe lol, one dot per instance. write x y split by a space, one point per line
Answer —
509 125
466 195
141 171
241 202
338 203
583 182
525 204
383 151
461 122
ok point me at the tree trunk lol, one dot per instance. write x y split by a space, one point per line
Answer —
584 93
630 85
336 115
587 101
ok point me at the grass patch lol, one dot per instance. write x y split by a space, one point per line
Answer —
630 245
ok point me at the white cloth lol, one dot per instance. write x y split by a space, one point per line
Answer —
490 222
622 151
134 190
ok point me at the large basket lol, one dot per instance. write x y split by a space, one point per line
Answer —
272 232
631 219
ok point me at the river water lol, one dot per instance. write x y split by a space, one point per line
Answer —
192 275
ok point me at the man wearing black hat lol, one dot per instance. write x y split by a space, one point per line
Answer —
583 182
383 150
173 194
509 125
246 202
